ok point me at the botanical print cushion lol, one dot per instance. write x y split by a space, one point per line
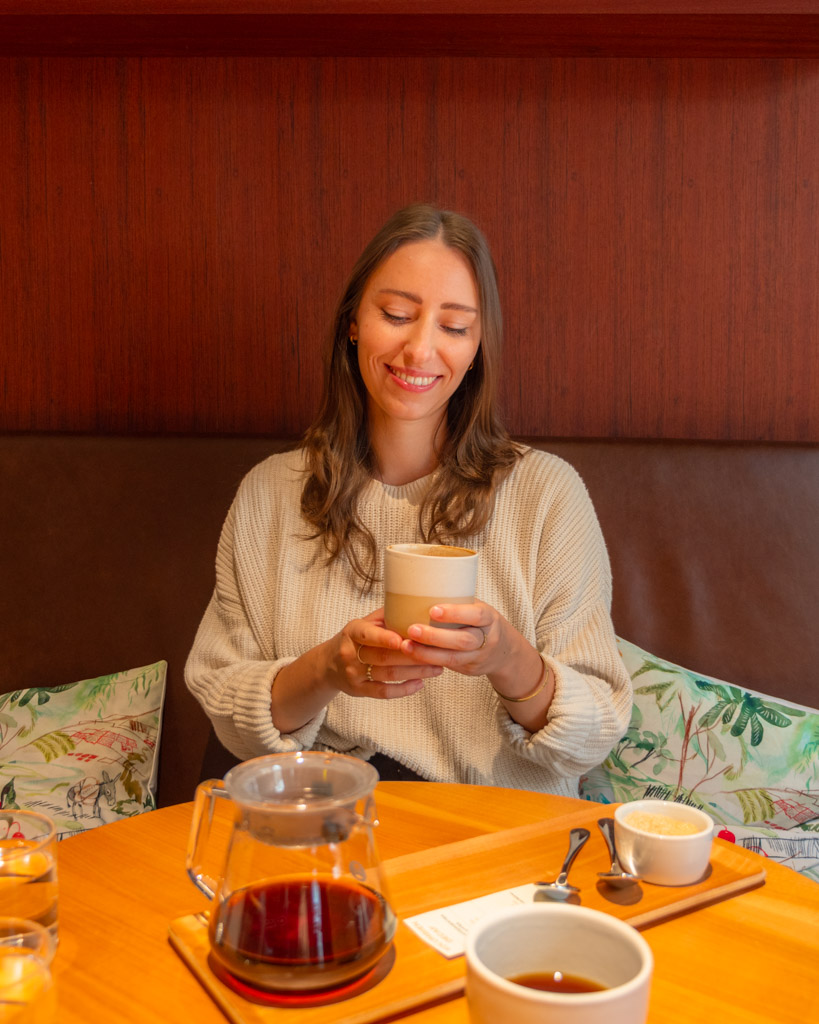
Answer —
750 761
84 753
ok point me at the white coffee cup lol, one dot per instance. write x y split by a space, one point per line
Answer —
417 576
536 938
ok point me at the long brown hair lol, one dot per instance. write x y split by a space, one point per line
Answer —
475 452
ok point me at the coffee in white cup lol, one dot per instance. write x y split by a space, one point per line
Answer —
418 576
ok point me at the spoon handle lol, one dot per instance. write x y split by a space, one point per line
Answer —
606 826
578 837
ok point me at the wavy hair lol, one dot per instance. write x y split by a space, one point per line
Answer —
474 452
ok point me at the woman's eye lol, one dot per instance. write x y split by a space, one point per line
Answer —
393 318
460 331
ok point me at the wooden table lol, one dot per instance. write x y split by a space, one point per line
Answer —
751 958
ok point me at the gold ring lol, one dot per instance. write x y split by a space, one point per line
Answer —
358 653
483 642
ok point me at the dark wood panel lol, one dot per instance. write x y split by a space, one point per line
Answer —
173 234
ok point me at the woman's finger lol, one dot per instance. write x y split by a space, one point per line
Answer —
468 639
470 649
474 614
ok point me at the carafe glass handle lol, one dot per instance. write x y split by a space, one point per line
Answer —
206 795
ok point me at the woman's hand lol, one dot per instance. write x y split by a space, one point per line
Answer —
483 645
370 661
487 644
364 659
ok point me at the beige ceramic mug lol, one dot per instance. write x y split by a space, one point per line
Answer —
417 576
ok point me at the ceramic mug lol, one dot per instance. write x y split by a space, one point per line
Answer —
417 576
537 939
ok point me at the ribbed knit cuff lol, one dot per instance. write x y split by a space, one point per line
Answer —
573 739
252 718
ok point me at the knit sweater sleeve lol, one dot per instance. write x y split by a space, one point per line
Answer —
591 706
229 673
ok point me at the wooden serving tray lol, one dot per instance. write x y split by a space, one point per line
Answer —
415 974
484 864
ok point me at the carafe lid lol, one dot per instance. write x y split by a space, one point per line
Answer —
312 780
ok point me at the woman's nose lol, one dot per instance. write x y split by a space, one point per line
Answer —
419 343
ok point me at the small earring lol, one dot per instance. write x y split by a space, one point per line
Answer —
352 340
470 366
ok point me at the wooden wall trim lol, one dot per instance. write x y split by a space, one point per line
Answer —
539 28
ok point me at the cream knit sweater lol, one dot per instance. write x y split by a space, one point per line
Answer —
543 565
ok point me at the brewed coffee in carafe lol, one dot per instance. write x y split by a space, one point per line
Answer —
301 902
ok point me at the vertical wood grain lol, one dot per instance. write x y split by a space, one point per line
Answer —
174 233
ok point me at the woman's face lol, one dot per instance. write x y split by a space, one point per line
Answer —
418 330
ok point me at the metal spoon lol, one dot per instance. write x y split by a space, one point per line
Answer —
616 875
560 889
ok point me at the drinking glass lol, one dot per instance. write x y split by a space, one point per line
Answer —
28 869
26 989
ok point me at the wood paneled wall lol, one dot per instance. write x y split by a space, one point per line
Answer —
174 233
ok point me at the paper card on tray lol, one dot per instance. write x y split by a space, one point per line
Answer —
445 929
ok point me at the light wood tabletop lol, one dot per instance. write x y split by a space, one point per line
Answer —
753 957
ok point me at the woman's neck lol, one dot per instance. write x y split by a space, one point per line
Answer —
404 452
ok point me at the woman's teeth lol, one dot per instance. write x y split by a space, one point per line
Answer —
418 382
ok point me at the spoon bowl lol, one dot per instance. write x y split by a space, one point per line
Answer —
553 891
618 879
616 876
560 889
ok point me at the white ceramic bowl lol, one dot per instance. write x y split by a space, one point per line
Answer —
664 859
539 937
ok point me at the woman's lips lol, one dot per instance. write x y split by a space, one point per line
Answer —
413 381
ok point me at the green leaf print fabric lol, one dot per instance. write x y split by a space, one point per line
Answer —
748 760
83 753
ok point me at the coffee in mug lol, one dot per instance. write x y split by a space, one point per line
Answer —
417 576
557 981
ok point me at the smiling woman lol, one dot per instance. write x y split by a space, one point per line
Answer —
407 447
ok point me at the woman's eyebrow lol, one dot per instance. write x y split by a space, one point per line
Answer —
418 300
397 291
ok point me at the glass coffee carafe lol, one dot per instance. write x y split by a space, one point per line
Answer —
301 903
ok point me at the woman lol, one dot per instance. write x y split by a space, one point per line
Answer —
292 653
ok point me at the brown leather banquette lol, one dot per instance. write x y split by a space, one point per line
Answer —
107 547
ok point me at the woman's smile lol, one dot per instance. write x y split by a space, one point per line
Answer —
413 381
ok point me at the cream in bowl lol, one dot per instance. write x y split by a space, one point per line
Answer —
665 843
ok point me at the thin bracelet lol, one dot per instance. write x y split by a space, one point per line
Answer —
543 680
